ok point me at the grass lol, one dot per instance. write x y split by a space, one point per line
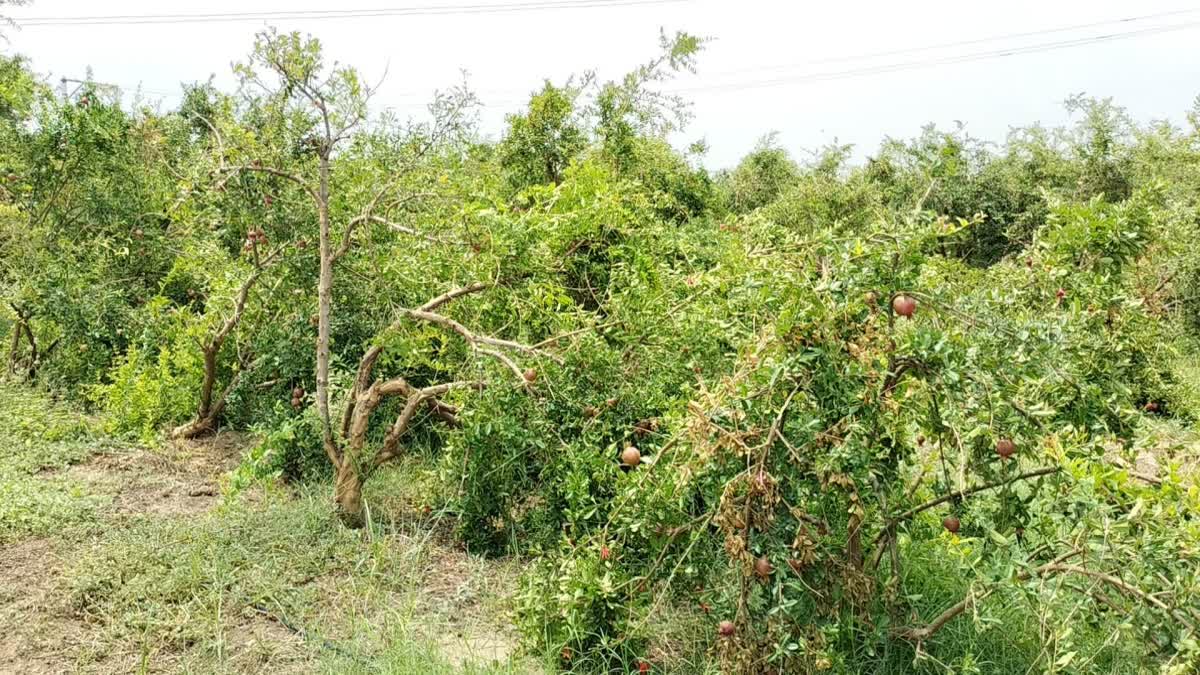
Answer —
195 586
39 507
40 437
41 433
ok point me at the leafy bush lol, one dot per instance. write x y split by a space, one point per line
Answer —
760 177
146 394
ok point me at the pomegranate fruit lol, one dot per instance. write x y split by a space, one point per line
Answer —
904 305
763 567
631 457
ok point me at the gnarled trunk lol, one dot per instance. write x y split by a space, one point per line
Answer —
210 409
196 428
347 492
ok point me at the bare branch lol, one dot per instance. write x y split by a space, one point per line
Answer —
396 227
416 398
466 333
453 295
925 632
506 360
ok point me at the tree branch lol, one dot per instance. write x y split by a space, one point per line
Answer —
466 334
967 493
453 295
416 398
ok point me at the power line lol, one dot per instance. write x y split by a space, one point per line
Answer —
313 15
917 64
963 43
946 60
906 65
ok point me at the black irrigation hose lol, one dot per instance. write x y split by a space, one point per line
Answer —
307 636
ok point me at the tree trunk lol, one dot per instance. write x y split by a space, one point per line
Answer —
347 492
210 379
324 301
196 428
22 327
210 409
13 347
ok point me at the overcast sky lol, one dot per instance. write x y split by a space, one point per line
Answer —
787 66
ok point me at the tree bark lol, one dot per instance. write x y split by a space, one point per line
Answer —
13 347
210 408
23 327
347 492
196 428
324 301
210 379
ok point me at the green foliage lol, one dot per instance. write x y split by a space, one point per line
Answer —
148 391
539 145
290 449
760 177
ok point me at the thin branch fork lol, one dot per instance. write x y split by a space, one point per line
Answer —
890 527
1036 473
